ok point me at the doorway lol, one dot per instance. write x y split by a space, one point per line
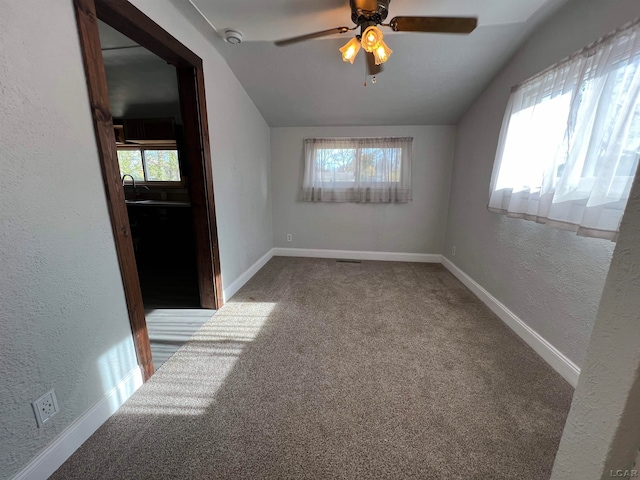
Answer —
132 23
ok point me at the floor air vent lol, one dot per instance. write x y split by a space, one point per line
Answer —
348 261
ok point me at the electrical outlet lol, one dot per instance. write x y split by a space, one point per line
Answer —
289 237
45 407
453 250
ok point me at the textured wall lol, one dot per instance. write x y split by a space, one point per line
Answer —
415 227
551 279
603 428
63 318
240 140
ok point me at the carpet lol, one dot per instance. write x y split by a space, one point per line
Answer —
170 328
321 369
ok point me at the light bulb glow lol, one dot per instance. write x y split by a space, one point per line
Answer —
371 38
382 53
350 50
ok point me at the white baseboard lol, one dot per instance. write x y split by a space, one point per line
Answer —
231 290
357 255
548 352
70 439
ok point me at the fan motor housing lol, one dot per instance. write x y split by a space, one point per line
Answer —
369 11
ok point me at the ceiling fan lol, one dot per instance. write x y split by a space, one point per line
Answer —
367 15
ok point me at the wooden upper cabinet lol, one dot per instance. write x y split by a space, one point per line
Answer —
149 130
118 131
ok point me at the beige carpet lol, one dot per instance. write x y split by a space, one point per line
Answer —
170 328
318 369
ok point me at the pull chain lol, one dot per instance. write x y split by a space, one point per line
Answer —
365 73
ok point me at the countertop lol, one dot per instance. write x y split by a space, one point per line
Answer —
156 203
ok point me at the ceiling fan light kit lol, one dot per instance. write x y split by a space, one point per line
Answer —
368 14
371 38
382 53
372 42
350 50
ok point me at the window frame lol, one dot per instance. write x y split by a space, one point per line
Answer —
358 167
154 183
361 189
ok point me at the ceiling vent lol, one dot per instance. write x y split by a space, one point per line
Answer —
233 37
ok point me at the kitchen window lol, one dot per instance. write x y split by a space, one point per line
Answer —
150 165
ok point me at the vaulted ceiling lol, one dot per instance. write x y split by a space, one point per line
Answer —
429 79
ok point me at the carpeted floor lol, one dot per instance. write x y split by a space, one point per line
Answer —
319 369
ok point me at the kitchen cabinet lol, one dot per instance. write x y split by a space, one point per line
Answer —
162 233
149 130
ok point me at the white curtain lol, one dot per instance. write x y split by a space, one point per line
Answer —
570 140
357 170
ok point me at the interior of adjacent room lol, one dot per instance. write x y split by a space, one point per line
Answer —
148 130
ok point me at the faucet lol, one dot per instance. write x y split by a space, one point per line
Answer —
133 181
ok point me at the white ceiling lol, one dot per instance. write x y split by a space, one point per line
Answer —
308 84
275 19
430 79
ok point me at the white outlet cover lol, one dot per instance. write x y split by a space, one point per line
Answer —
45 407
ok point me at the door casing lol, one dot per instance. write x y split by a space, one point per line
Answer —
130 21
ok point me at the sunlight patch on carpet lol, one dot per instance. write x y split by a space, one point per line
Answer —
188 381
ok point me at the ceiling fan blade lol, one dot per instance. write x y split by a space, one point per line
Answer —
309 36
434 24
372 68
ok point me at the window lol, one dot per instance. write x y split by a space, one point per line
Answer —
357 170
150 164
570 140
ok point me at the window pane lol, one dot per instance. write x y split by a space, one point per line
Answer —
536 140
570 140
380 164
336 165
130 162
376 169
162 165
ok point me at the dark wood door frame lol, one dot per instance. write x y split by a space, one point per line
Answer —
124 17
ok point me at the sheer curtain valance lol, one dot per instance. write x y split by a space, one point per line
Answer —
357 170
570 140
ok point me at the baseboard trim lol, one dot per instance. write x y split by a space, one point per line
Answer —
237 284
357 255
559 362
72 437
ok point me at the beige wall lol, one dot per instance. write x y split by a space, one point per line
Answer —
415 227
63 318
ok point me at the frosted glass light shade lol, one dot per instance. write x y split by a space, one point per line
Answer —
371 38
350 50
382 53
